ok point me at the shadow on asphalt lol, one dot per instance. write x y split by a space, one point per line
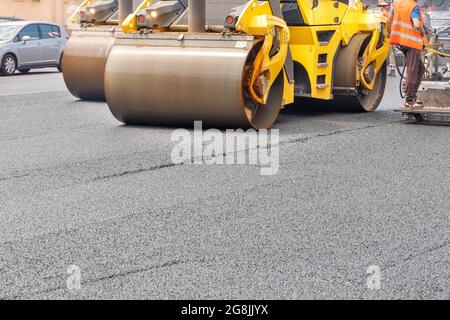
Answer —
123 126
317 107
81 102
298 112
428 123
313 111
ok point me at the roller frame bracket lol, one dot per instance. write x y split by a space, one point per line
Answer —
289 63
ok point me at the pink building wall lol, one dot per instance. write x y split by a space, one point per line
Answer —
48 10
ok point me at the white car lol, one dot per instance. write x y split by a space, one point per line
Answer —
28 45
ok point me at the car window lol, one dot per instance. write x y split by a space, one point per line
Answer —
31 30
56 31
49 31
7 31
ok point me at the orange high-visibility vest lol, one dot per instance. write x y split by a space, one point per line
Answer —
402 31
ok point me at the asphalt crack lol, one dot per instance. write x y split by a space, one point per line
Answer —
140 170
301 139
412 256
166 264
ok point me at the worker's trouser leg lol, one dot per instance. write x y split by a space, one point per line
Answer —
420 76
414 72
392 57
392 62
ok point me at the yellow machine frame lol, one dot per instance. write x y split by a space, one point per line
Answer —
74 17
129 25
345 21
304 57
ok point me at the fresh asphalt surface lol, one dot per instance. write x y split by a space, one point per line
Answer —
353 190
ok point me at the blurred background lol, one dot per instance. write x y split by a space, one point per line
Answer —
57 11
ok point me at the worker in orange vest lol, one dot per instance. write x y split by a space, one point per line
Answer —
385 8
406 28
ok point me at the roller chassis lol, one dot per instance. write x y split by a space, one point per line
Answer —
243 73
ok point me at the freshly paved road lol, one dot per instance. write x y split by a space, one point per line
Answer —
354 190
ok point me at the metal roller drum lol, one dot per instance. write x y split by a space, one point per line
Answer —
168 83
84 62
87 51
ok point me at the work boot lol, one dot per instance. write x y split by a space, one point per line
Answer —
418 104
408 105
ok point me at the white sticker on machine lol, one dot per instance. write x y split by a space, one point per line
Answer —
241 44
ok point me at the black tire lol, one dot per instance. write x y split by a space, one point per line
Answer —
24 71
9 65
60 66
366 101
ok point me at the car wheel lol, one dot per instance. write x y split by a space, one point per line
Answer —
24 71
60 66
9 65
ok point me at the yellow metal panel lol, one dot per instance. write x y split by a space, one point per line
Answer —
288 94
74 17
307 53
327 12
129 25
257 19
346 22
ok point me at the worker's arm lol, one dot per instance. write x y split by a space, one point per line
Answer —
419 27
389 24
416 19
389 21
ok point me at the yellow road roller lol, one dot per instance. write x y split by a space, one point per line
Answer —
236 64
85 56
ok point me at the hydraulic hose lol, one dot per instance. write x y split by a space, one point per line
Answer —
402 72
439 53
